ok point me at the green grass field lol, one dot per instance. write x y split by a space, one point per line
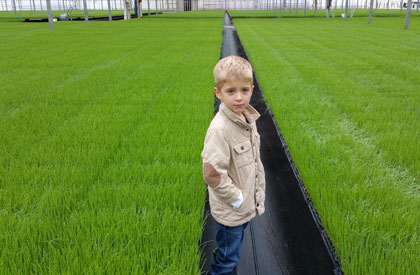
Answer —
346 97
101 133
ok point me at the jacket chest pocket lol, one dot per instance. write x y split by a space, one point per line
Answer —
243 153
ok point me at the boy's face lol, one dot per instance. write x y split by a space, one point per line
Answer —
235 94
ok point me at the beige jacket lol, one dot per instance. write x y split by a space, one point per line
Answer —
231 162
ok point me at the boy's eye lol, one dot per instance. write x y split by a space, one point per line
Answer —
230 91
245 90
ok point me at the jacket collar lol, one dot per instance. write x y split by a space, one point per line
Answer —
250 113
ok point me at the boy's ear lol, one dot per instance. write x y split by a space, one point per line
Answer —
252 89
217 93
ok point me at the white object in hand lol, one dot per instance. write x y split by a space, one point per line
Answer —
238 202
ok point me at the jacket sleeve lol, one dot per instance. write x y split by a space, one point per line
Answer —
216 158
260 188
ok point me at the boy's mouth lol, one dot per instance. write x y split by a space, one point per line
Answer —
238 105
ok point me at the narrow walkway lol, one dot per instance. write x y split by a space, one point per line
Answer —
288 238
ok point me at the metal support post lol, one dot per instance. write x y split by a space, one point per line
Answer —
141 8
370 11
109 11
14 6
327 7
50 18
86 12
347 10
408 15
125 10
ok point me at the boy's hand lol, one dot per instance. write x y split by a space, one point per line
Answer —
238 202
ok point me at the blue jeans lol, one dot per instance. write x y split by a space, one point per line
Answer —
229 240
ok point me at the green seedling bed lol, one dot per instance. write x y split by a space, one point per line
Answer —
348 106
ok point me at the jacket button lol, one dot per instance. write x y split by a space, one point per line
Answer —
242 147
258 204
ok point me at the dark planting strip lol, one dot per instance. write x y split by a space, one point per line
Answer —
289 237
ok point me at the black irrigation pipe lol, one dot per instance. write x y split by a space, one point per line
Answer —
289 237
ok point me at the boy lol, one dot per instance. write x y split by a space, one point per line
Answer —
232 168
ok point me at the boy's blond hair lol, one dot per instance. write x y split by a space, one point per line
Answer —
232 67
